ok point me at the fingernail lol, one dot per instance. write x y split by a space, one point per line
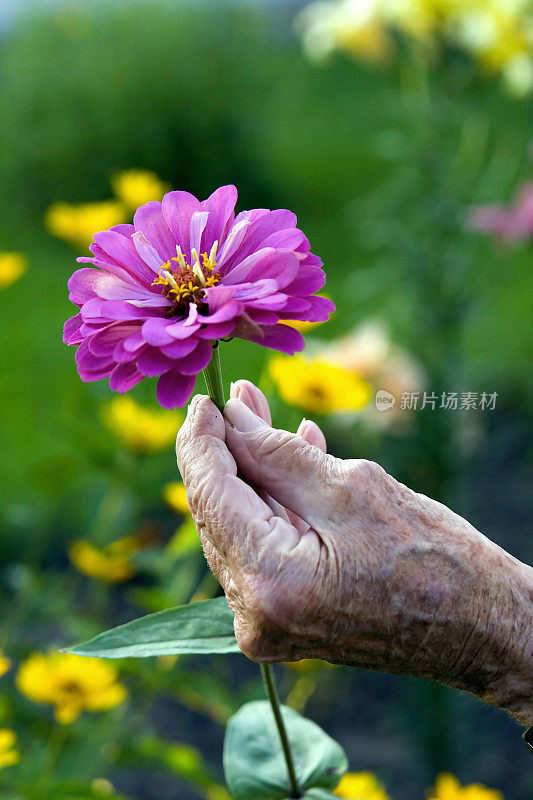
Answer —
232 390
301 426
240 417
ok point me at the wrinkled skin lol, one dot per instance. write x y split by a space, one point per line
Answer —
334 559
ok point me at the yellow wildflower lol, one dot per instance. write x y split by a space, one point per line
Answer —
141 429
76 224
497 34
12 267
358 28
363 785
70 683
112 563
134 187
447 787
8 754
5 664
175 495
317 386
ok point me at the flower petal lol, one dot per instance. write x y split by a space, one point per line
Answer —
279 265
179 347
149 220
197 360
80 285
109 287
120 251
152 362
196 230
147 252
221 205
155 331
124 377
278 337
308 280
177 209
174 389
216 331
103 343
71 330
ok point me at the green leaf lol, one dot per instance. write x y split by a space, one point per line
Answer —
205 627
254 765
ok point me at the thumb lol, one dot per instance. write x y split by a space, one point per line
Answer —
294 472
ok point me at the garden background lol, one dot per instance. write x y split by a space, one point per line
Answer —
382 155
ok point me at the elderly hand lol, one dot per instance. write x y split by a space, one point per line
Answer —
328 558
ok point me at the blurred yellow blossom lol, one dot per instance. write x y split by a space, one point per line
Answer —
134 187
363 785
8 754
70 683
76 224
317 386
497 34
112 563
356 26
447 787
175 495
12 267
5 664
141 429
185 540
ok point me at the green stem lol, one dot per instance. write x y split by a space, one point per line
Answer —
267 673
213 379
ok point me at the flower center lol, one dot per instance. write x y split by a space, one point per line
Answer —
184 283
71 687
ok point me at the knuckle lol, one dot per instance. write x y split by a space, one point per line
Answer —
362 470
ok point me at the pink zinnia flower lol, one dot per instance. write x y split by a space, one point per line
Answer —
507 224
184 275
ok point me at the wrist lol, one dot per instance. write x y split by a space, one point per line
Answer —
497 663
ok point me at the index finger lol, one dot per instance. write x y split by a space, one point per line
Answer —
228 513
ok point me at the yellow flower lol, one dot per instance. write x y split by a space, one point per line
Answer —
5 664
175 495
499 35
356 27
317 386
76 224
447 787
8 754
141 429
12 267
70 683
112 563
363 785
134 187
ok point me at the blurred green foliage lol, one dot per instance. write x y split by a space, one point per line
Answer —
381 168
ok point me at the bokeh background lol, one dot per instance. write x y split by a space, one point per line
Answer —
400 135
